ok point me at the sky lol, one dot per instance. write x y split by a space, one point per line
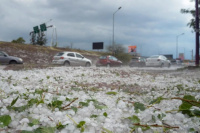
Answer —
154 26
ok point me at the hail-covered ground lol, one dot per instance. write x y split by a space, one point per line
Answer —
99 100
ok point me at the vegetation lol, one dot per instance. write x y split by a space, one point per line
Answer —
191 23
38 39
19 40
119 52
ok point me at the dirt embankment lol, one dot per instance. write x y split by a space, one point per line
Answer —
35 56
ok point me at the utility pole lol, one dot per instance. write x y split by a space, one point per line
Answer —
197 32
71 45
113 40
192 54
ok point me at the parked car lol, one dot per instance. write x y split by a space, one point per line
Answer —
137 62
108 61
71 59
6 59
179 61
158 61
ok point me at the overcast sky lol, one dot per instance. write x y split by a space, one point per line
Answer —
151 25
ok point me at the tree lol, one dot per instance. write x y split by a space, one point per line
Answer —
119 52
116 49
191 24
33 38
19 40
41 39
38 38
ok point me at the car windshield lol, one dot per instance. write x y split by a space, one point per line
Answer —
154 56
102 57
79 56
3 53
134 59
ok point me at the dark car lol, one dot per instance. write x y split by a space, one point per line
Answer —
108 61
6 59
137 62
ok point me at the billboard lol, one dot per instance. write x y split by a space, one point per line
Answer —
97 45
132 49
181 56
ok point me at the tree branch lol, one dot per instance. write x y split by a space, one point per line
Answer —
155 125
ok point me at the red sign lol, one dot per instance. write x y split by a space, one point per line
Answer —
132 48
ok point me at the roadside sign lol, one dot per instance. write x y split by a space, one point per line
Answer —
36 29
43 27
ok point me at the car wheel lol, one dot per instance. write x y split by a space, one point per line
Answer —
66 63
162 65
108 65
87 64
12 62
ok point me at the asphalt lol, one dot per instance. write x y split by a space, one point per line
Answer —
2 67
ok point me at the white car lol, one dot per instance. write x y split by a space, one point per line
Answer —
71 59
158 61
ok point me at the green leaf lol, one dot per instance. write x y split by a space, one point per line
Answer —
32 102
15 84
105 114
111 93
19 109
191 130
134 119
40 101
98 106
93 116
82 129
107 131
157 100
34 122
4 120
138 106
56 104
76 89
83 104
196 112
14 101
59 126
145 128
186 105
67 99
180 87
40 91
81 124
153 118
74 108
91 100
45 130
23 131
161 116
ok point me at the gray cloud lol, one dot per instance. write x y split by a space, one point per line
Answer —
151 25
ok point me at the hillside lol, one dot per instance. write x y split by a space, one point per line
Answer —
35 56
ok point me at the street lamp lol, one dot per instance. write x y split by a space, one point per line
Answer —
177 44
113 27
48 21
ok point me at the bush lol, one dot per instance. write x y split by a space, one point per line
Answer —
124 57
19 40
